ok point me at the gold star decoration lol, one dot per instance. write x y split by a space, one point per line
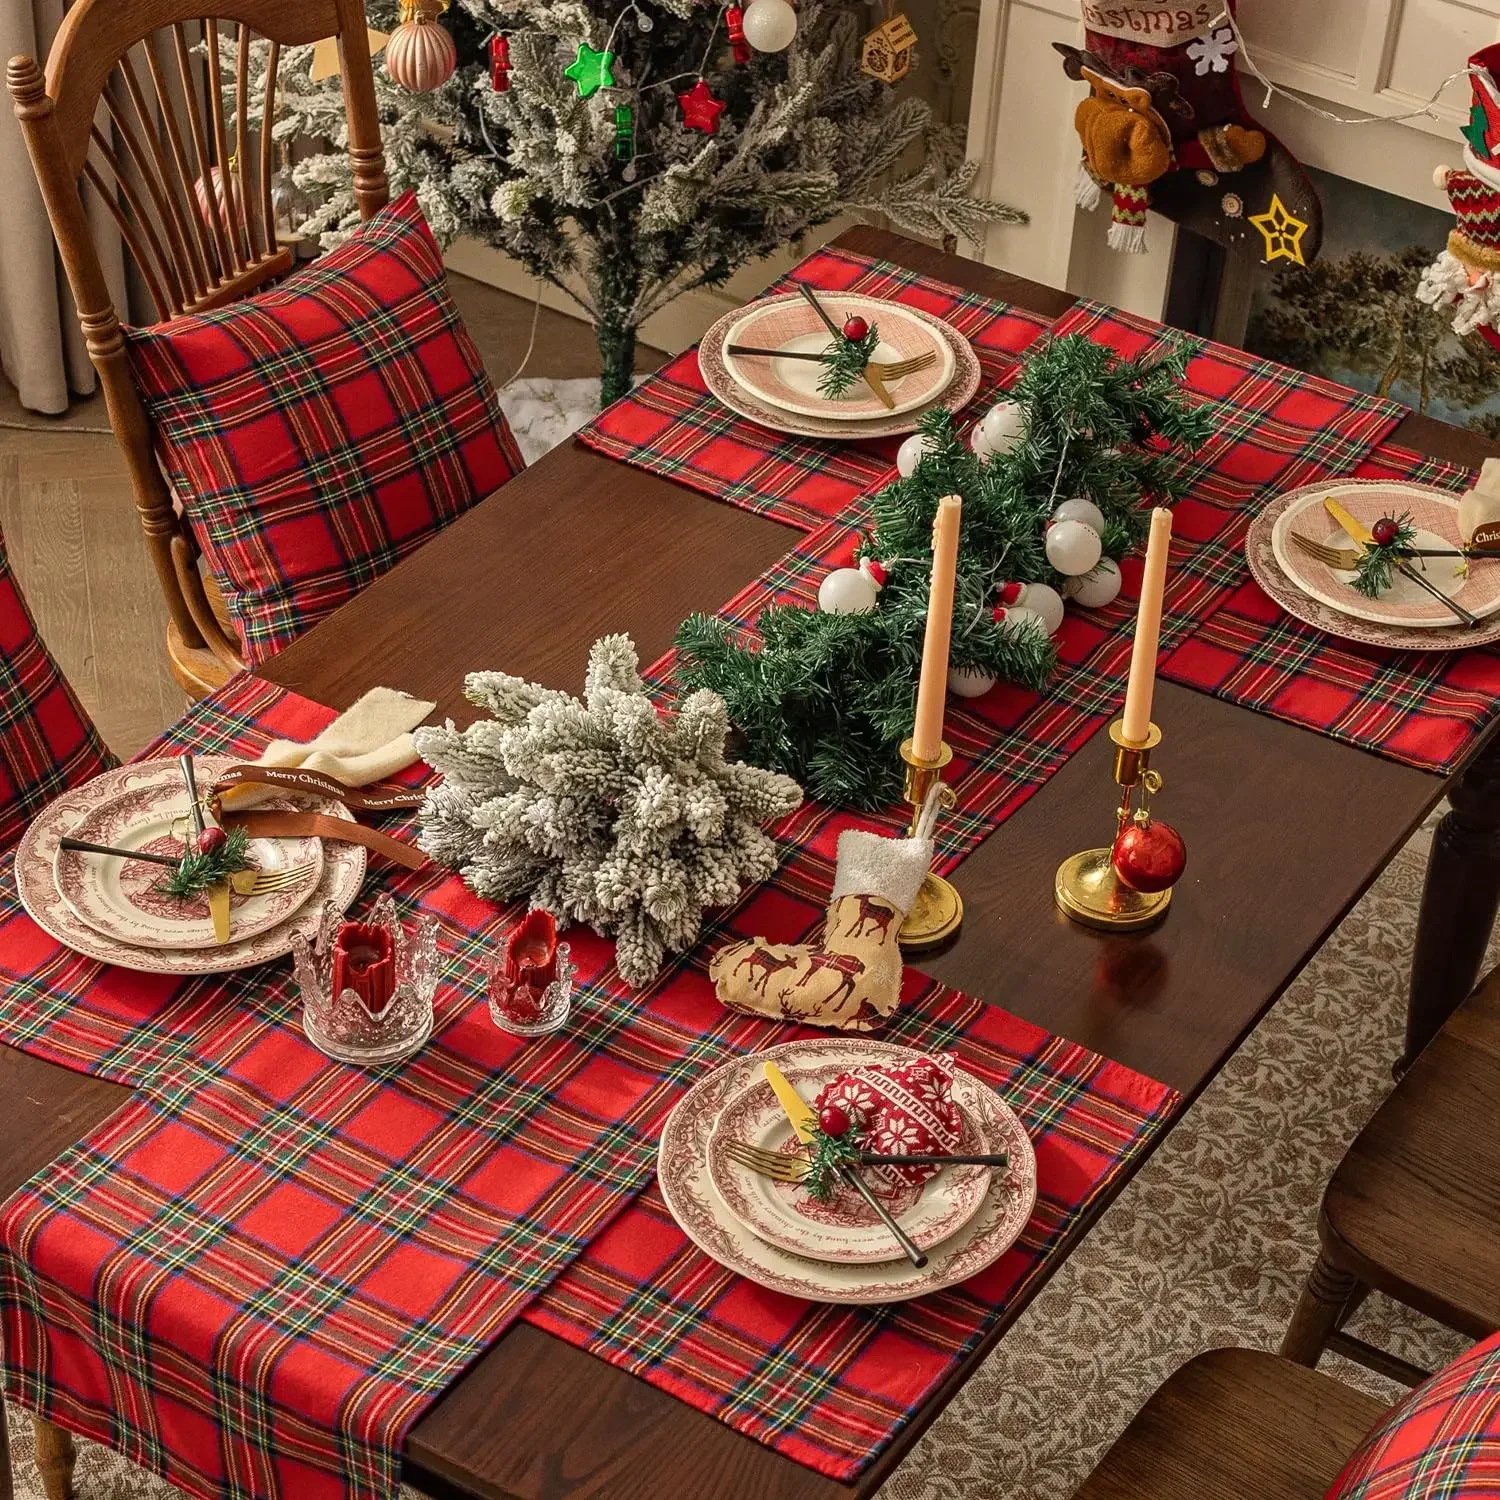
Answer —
1281 232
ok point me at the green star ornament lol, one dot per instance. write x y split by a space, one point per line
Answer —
1473 132
590 70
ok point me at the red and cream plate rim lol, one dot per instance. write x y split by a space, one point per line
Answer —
98 888
1268 573
343 875
960 391
791 385
682 1171
844 1231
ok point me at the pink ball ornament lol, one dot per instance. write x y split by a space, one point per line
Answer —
420 54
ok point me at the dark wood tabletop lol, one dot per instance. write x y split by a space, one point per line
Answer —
1285 829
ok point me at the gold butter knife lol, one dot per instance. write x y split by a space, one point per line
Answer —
804 1122
1359 533
218 892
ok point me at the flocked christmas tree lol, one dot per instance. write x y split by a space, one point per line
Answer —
628 151
828 697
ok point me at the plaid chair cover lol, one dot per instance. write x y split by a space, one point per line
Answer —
318 432
1442 1442
47 742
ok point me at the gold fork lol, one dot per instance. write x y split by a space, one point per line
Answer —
1348 559
892 369
264 882
784 1168
772 1164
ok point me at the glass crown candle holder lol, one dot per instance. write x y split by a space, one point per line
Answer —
531 978
343 1025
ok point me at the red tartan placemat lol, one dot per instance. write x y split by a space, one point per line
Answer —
1423 708
671 425
831 1386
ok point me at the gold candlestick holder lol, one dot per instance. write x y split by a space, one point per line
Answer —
938 911
1088 889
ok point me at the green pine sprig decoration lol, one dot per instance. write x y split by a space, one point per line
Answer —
827 699
197 871
1375 571
844 361
827 1158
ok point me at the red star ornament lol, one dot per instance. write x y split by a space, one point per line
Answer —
700 110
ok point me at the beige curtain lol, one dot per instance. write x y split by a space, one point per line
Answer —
41 347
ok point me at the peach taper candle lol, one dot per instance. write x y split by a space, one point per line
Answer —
927 735
1136 725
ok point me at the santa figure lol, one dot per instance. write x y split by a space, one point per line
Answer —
1464 276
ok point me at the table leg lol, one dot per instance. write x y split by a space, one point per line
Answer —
1459 903
54 1459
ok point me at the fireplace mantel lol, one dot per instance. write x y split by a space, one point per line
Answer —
1372 57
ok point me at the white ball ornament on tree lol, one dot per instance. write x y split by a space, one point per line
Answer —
1003 426
1081 510
852 591
1072 547
1098 587
1017 617
969 682
1044 601
911 452
769 25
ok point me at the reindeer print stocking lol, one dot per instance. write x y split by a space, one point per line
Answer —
851 981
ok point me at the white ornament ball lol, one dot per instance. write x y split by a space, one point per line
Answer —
1098 587
912 452
847 591
1019 617
769 25
979 443
969 682
1080 510
1072 547
1045 601
1003 426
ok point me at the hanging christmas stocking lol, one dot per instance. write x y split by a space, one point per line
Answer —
851 981
1164 126
1466 276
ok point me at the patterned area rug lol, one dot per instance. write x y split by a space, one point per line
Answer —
1209 1245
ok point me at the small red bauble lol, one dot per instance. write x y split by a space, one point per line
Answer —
211 840
1149 857
1384 531
855 328
833 1119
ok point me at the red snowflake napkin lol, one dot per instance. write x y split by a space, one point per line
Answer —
906 1110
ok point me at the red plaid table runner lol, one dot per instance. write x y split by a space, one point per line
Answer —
671 425
1423 708
256 1276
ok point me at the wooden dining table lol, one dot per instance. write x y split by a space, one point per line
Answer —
1285 828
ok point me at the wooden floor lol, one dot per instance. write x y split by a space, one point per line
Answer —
71 531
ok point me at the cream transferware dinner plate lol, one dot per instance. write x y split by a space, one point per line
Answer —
682 1171
1405 605
716 376
844 1229
123 899
343 874
788 323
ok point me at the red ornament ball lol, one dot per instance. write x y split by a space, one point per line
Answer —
833 1119
211 840
1149 857
1384 531
855 328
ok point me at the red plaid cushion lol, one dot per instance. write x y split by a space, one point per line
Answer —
47 742
1442 1440
319 431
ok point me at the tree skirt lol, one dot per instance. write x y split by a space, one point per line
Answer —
1208 1246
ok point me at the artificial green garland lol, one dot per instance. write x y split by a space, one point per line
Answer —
1375 571
844 361
828 698
197 870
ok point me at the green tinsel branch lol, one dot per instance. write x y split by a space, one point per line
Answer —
828 1155
844 361
198 870
1376 569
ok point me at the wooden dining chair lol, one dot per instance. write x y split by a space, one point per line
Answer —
138 101
1236 1424
1413 1209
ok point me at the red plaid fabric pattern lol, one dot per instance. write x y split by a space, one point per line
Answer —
1424 708
47 742
318 432
1442 1442
671 425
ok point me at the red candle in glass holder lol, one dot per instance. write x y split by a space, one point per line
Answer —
364 960
529 966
